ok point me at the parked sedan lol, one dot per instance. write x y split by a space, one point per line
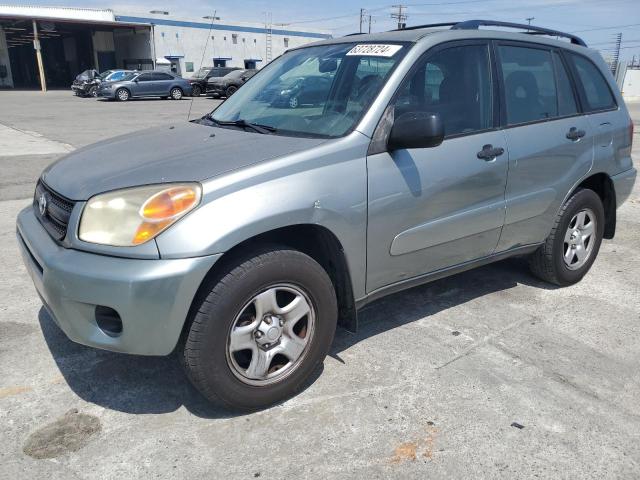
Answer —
312 90
146 84
229 84
200 78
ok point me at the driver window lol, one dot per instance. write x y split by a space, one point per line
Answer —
456 84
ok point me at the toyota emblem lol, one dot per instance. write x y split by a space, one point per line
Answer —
42 204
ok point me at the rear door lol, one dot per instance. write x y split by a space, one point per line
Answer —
433 208
550 141
162 83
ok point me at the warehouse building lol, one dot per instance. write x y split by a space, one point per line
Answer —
47 47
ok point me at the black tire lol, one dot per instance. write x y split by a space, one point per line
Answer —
196 91
123 95
230 91
176 93
204 353
547 262
93 92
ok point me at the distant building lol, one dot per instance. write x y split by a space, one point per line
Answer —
75 39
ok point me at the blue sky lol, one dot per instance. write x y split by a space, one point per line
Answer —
589 18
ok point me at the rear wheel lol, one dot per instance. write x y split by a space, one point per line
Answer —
196 91
231 90
263 329
176 93
574 242
122 94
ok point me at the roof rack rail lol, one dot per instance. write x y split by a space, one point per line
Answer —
476 24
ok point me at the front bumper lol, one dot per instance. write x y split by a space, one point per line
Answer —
152 297
80 88
106 93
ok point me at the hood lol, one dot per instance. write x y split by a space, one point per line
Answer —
184 153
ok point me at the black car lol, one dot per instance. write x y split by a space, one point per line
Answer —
200 78
229 84
308 91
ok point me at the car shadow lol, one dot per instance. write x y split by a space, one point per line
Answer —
154 385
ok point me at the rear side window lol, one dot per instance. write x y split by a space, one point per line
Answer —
529 84
596 90
566 99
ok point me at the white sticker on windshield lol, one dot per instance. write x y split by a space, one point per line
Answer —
374 50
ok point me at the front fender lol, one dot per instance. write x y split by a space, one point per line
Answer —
323 186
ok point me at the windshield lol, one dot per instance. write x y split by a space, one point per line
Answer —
202 73
104 75
318 91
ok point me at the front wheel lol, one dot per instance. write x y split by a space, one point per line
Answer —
262 330
123 95
176 93
93 92
294 102
574 242
231 90
196 91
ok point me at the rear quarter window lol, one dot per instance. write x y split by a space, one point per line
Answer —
596 90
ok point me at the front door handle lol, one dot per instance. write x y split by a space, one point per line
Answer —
489 153
574 134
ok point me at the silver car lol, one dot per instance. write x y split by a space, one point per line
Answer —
243 238
145 84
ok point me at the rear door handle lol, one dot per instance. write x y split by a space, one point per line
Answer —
574 134
489 153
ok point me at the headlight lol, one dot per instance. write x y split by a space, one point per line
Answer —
133 216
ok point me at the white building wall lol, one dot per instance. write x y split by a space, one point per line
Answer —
190 42
4 60
631 85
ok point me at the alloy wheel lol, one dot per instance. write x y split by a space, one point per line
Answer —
579 239
271 335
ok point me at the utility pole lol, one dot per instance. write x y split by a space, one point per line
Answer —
361 18
400 16
369 17
528 19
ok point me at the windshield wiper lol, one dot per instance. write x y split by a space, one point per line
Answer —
256 127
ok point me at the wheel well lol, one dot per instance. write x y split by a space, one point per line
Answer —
601 184
313 240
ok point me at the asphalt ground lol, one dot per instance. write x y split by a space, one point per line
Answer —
487 374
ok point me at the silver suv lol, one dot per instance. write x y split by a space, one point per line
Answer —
243 238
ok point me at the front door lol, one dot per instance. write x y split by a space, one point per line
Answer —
434 208
145 85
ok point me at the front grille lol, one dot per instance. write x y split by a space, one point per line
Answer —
53 210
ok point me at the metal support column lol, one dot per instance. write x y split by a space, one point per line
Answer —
36 46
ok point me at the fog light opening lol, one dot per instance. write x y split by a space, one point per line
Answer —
108 321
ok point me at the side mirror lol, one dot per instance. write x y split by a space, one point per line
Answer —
416 130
